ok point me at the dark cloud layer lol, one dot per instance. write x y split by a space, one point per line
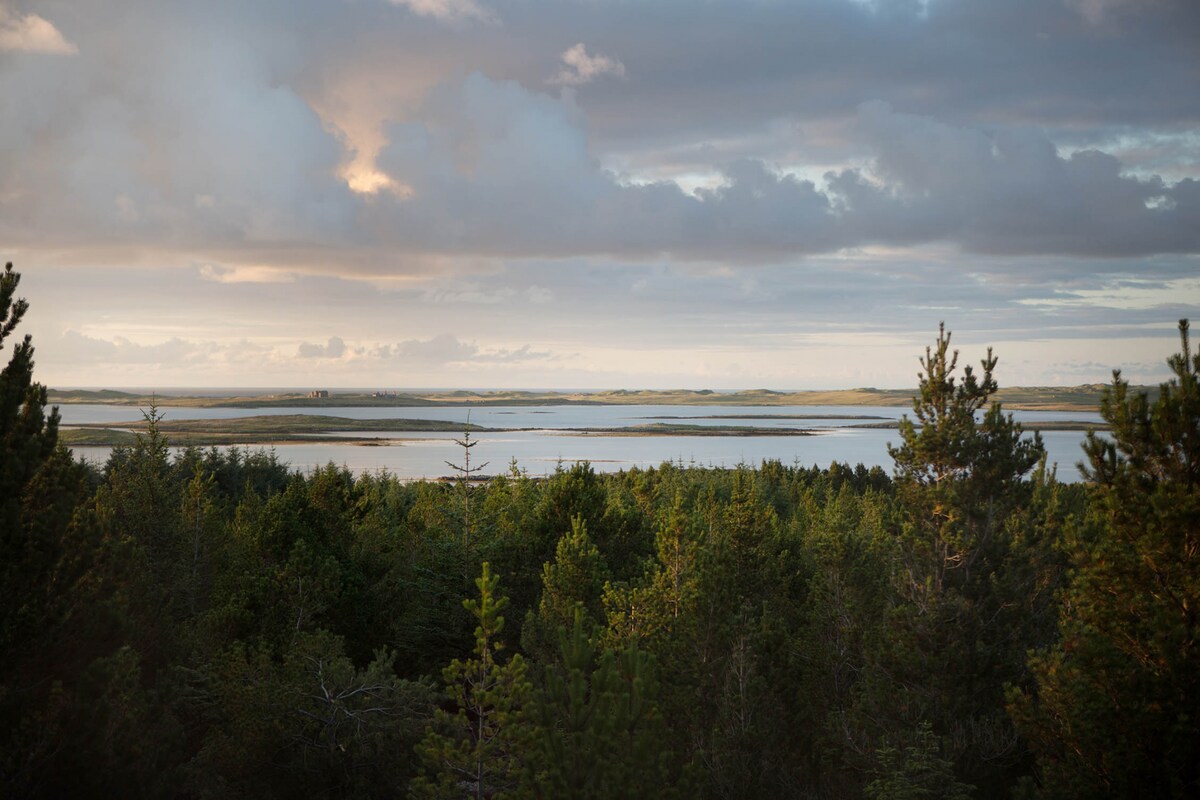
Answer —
486 173
497 168
220 131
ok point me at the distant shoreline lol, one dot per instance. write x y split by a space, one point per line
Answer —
262 431
1037 398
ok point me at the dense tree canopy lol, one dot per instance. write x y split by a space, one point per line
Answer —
208 624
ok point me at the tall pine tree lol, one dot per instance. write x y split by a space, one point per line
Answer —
958 475
960 479
477 750
1114 709
28 437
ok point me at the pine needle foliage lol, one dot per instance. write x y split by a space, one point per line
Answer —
1114 709
477 748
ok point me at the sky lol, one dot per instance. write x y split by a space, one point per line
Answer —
785 194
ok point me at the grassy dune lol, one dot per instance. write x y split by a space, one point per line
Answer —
95 437
259 430
308 424
1064 425
672 429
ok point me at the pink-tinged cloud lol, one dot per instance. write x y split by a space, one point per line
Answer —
448 10
580 68
30 33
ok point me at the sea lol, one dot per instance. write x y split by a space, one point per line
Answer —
546 437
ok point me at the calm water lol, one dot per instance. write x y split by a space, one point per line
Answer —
538 451
525 416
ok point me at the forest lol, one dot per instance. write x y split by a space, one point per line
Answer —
206 623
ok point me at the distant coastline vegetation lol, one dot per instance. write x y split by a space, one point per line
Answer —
1044 398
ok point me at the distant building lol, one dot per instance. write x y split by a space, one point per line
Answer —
316 394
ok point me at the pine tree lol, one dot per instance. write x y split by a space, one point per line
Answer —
75 719
601 734
1113 711
40 487
139 502
477 749
678 549
27 434
28 437
197 546
662 609
956 474
949 650
465 474
916 772
574 582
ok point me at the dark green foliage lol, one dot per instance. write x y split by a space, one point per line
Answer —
957 476
27 442
74 712
210 625
968 527
916 771
572 585
234 471
309 724
600 733
479 747
1113 709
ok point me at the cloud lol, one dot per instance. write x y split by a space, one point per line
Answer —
810 129
447 10
1098 12
580 68
30 33
506 356
334 348
438 350
1008 191
1130 294
539 294
78 348
193 141
446 348
468 293
496 168
245 274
